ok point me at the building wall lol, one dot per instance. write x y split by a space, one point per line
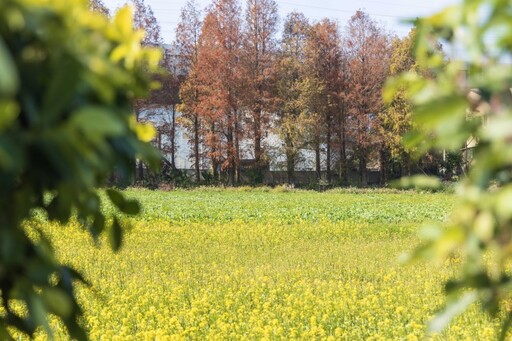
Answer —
305 166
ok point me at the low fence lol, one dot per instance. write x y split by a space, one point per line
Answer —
311 177
267 177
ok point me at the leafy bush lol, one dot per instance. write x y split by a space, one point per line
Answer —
67 81
449 109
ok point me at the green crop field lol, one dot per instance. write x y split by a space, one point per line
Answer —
233 264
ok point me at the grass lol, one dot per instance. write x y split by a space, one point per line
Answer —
236 264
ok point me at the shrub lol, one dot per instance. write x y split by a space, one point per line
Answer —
67 81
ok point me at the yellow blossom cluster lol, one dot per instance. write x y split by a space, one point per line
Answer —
255 268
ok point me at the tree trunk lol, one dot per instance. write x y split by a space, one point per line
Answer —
406 162
383 165
230 155
328 151
173 137
257 136
290 158
318 165
140 170
196 148
136 162
290 168
237 149
362 171
343 151
343 164
215 164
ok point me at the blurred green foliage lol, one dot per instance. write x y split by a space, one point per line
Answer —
67 80
462 101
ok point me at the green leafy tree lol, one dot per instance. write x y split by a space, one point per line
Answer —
293 89
68 78
396 118
480 229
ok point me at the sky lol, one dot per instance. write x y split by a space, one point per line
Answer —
389 13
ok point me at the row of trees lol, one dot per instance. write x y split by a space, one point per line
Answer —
318 88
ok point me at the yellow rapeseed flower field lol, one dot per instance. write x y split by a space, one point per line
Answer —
262 265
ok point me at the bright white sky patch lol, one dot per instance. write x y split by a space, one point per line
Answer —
390 13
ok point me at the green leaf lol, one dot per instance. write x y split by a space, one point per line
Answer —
484 226
9 111
436 111
131 207
59 209
452 286
116 197
438 323
58 302
115 235
97 121
505 325
504 203
11 155
4 334
479 280
39 271
419 182
499 128
75 330
72 274
126 206
431 232
37 311
16 321
413 139
61 88
9 81
450 16
97 226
